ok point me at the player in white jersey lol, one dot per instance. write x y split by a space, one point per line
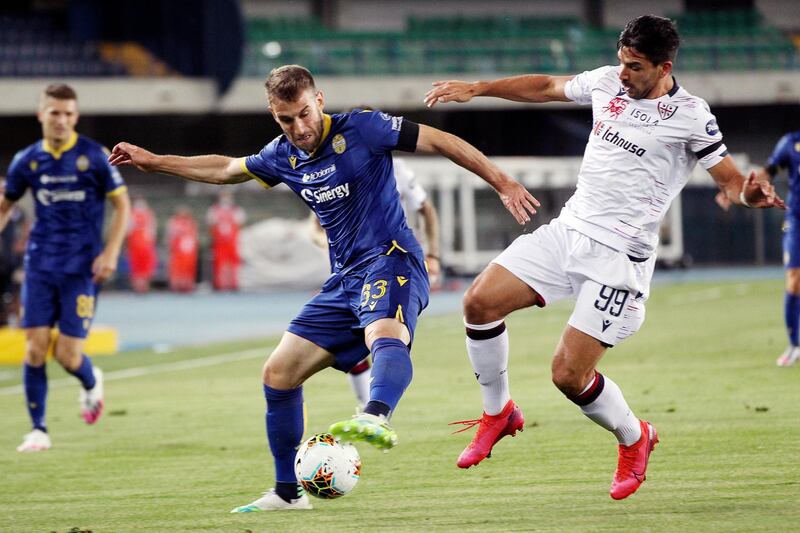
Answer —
647 135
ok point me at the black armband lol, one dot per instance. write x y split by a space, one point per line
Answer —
407 140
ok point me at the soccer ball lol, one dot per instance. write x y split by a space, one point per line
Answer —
327 468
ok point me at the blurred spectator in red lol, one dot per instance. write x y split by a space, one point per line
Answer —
13 240
224 219
142 245
183 248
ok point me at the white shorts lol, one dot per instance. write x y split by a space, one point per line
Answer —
610 289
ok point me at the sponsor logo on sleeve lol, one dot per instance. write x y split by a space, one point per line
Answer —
397 123
711 127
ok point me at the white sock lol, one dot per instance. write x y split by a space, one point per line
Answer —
489 358
360 384
611 411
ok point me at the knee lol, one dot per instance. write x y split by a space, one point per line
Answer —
36 352
478 308
793 282
276 376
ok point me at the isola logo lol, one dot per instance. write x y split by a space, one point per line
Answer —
325 194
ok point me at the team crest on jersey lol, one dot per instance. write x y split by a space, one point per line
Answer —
33 165
339 144
82 163
666 110
293 160
616 106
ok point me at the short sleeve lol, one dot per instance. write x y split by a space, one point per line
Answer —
261 166
113 183
16 184
380 131
705 138
579 88
781 155
411 191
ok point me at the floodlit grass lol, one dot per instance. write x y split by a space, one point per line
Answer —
178 449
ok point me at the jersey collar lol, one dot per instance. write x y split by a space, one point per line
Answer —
326 129
58 152
675 87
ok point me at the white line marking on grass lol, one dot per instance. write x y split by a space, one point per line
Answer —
158 368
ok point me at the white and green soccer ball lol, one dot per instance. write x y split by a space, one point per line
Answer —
326 468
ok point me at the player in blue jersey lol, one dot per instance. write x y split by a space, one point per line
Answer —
66 261
786 155
341 166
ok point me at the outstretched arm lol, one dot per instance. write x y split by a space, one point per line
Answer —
750 191
534 88
514 196
216 169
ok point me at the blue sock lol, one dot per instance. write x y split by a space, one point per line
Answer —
391 374
35 382
284 429
84 372
791 313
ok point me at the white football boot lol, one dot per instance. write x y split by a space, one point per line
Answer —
92 402
35 441
789 356
270 501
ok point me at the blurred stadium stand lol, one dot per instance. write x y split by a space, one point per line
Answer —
186 77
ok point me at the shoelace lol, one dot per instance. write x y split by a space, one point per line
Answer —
469 424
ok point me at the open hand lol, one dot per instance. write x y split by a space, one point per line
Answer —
519 202
760 193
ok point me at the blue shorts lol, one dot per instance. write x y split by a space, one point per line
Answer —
791 242
67 299
389 286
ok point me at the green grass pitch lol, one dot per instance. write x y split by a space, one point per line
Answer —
181 446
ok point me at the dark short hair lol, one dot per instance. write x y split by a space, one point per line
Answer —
652 36
286 83
60 91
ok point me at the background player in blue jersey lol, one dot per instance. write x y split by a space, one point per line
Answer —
786 155
65 263
341 166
